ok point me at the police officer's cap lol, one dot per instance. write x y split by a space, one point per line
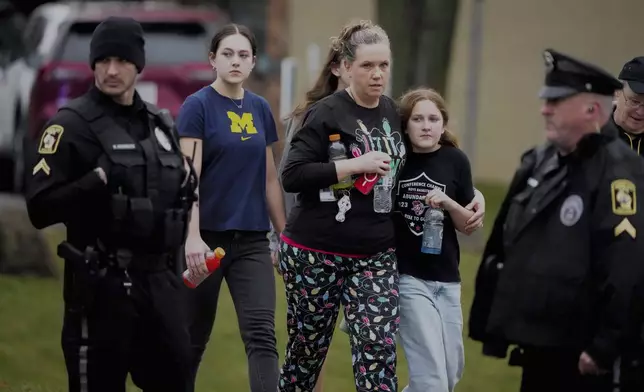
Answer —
633 74
567 76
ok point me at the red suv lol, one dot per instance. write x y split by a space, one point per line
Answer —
176 45
177 41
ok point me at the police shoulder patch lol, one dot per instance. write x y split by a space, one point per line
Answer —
50 139
624 197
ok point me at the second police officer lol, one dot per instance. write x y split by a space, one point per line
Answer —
108 166
627 123
559 270
627 119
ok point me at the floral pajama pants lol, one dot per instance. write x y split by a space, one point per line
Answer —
316 284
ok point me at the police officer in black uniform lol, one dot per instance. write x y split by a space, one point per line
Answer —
627 120
627 123
559 269
108 166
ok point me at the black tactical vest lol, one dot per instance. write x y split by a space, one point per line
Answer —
148 204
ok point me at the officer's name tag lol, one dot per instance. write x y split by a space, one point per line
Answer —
118 147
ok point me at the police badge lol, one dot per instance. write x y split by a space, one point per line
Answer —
163 140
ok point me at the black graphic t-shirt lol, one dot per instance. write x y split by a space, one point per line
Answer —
447 169
311 222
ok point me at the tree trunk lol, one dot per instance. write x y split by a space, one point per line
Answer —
439 29
421 34
415 10
392 16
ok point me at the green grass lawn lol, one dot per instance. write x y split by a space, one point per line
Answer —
31 358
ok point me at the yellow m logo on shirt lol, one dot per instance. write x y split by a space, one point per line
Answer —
239 124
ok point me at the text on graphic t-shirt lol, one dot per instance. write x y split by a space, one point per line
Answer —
448 170
312 222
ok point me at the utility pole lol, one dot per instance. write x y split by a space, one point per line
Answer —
470 132
277 30
476 241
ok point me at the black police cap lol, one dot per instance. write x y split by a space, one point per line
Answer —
633 74
566 76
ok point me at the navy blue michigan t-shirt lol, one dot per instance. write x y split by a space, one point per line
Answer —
232 186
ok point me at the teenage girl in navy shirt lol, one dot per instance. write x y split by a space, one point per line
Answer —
230 131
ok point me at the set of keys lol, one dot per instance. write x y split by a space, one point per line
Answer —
344 203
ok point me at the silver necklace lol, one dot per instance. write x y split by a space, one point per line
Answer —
238 106
231 100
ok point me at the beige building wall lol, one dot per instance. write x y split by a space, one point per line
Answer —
608 33
515 32
316 21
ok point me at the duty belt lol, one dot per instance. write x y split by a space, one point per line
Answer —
92 264
139 261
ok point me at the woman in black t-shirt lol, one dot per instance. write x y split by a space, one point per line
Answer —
436 173
332 78
341 251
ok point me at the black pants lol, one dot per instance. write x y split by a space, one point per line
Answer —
143 332
557 371
250 277
632 372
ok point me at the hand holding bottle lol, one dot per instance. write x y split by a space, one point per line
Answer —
373 162
212 262
195 250
438 199
372 166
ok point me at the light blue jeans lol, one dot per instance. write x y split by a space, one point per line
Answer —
431 331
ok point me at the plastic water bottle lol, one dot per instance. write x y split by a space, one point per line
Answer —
338 152
382 202
433 231
213 261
